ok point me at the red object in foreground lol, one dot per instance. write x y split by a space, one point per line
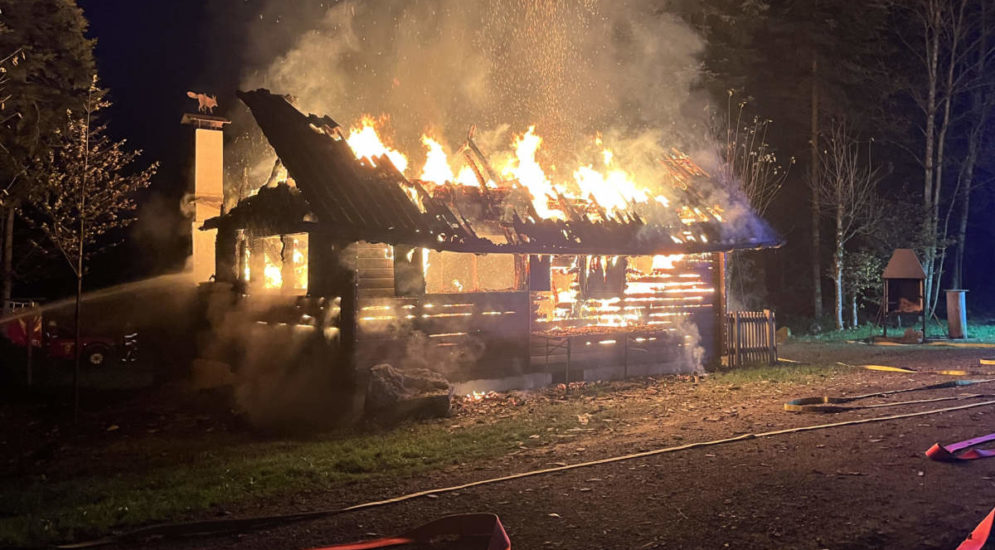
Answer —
948 453
18 331
460 531
977 539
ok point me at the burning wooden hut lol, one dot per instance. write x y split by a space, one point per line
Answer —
495 282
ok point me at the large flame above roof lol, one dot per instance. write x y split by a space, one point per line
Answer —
355 182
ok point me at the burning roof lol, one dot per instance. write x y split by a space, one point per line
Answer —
369 199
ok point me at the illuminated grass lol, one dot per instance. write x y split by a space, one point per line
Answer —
984 332
163 479
39 511
780 373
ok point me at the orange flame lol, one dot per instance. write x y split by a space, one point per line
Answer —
436 168
365 143
526 169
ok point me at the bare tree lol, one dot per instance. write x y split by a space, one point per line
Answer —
750 164
949 36
748 160
87 191
981 101
7 254
847 187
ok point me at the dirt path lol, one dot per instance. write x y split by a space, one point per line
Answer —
865 486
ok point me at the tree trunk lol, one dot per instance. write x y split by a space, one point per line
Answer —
934 271
7 287
814 175
981 104
932 78
855 321
77 348
965 207
838 270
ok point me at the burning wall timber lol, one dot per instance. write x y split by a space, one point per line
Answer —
492 281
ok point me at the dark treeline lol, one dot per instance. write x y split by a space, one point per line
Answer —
882 109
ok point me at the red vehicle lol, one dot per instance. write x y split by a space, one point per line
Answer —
97 351
58 343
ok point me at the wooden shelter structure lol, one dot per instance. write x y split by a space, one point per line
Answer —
904 288
471 280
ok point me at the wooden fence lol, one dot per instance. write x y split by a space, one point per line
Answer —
750 338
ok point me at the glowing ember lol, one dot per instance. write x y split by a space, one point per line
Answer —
480 396
365 143
246 271
299 258
663 262
657 291
272 277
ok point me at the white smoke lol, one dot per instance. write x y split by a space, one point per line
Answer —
626 69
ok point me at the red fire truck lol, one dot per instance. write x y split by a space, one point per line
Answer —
56 342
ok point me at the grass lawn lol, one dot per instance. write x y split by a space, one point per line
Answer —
157 478
226 472
984 332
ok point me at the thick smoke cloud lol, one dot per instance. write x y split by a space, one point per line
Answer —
627 69
573 68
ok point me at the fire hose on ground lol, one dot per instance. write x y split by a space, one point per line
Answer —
978 538
218 527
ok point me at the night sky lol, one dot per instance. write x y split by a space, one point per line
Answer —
149 54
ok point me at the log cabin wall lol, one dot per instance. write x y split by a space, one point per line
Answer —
480 335
462 335
485 337
374 270
524 337
663 321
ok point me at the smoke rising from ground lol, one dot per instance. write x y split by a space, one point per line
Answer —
285 376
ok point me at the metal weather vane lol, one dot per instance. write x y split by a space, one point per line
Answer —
205 103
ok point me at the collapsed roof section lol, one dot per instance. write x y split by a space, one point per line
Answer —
355 200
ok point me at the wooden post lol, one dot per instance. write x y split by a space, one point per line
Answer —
286 263
625 356
31 345
770 336
736 339
773 326
409 276
719 305
567 373
884 317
